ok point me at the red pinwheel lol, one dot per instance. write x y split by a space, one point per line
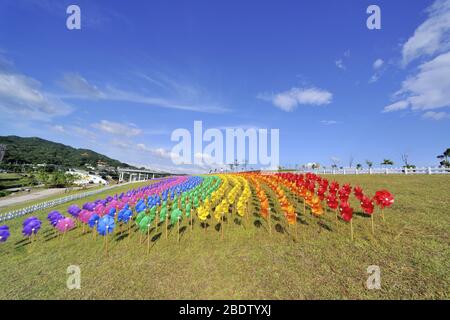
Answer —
332 201
367 205
384 198
343 194
334 187
333 204
347 215
346 211
358 192
311 186
321 192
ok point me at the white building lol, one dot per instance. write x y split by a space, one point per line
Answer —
85 178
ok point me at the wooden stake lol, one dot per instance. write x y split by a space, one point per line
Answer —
129 231
106 240
351 229
221 225
371 218
270 222
148 238
382 214
93 231
166 226
178 222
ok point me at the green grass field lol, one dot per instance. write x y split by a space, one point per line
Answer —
412 249
52 197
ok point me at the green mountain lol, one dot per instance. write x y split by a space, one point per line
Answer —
38 151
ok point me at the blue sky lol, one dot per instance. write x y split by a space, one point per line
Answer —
137 70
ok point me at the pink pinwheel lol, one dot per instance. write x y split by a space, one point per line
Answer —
65 225
85 215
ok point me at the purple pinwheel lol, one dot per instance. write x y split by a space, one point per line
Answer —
28 220
89 206
74 210
31 226
54 217
4 233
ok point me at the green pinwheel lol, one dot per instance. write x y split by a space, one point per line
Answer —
188 210
163 214
175 216
139 217
145 223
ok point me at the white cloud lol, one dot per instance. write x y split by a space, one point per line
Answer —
377 66
181 97
72 130
432 36
378 63
340 64
400 105
428 89
75 83
22 96
328 122
117 128
289 100
436 115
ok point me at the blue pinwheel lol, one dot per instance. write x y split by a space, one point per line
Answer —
105 225
93 220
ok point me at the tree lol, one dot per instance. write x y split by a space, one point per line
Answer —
405 157
369 163
387 162
444 158
359 166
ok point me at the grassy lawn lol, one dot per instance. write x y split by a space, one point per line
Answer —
49 198
412 248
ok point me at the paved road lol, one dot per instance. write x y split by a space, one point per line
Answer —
10 201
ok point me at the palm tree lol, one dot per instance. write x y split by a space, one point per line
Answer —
359 166
444 158
387 162
369 163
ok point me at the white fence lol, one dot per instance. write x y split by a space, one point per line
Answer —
423 170
52 203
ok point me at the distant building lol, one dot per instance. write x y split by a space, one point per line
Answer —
84 177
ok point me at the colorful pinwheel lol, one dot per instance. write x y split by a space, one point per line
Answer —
384 199
347 215
31 226
4 233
